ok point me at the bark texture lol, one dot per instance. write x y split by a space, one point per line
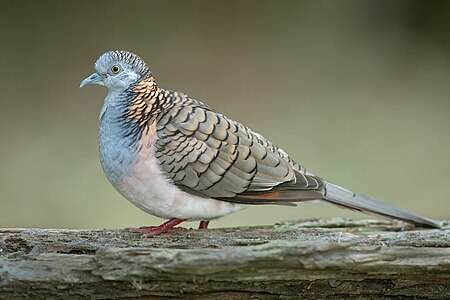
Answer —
309 259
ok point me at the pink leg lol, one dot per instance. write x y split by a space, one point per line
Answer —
150 231
203 225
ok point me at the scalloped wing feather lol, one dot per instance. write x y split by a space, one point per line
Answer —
208 153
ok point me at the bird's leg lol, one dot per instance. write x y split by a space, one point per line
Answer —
150 231
203 225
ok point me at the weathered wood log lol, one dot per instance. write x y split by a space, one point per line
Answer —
326 259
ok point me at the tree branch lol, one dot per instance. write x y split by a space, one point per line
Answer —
331 258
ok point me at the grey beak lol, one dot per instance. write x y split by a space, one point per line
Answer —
93 79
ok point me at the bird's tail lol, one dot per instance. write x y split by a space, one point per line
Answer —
343 197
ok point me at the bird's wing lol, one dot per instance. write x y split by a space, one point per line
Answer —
211 155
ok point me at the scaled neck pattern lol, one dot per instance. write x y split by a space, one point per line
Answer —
125 117
146 102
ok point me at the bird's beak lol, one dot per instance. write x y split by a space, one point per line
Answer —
93 79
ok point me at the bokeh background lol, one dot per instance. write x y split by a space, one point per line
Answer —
357 91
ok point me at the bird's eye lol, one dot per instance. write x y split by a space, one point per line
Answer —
115 69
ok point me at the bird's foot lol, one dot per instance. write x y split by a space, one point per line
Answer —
151 231
157 231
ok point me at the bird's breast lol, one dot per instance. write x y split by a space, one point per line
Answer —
136 173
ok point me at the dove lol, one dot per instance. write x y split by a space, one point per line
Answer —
176 158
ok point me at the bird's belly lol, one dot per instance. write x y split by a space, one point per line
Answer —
147 188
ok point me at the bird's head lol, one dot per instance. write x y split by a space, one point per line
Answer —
118 70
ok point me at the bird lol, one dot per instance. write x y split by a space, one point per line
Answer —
176 158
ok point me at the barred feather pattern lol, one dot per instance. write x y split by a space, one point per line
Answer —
129 58
209 154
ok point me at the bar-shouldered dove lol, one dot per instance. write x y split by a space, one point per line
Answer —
176 158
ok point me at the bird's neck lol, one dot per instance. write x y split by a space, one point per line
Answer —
125 116
135 105
144 101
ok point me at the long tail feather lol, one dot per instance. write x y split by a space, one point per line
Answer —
343 197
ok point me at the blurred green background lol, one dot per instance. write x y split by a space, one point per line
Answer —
356 91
